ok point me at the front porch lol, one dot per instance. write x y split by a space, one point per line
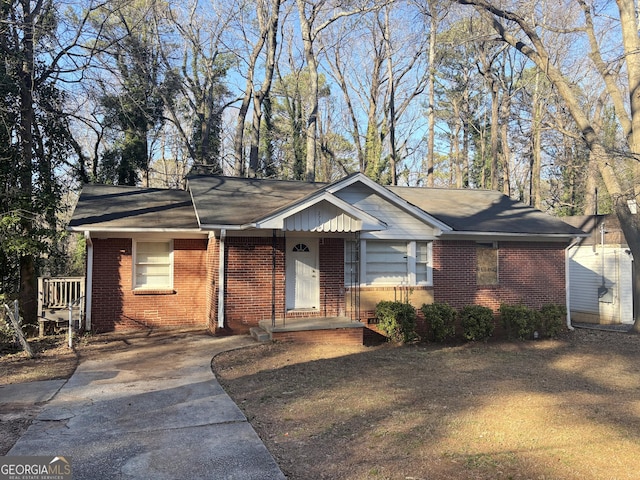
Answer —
334 330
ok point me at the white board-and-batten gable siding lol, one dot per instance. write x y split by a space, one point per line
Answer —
322 217
401 225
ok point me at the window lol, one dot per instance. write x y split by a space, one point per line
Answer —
350 263
487 268
423 263
390 263
386 263
300 247
153 266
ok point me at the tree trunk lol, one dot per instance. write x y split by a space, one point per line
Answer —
505 109
535 198
392 101
431 109
312 116
255 136
259 95
493 84
27 292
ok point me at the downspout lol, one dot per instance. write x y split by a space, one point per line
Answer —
274 246
221 282
88 280
567 286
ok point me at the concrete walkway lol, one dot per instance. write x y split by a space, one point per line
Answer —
154 410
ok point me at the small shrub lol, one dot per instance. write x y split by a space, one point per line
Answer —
552 319
477 322
7 335
397 320
441 318
519 321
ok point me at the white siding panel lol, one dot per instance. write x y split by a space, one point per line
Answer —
587 267
401 225
626 287
584 265
323 217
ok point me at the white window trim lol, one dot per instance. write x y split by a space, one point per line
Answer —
411 266
134 263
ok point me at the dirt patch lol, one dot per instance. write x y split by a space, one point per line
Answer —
553 409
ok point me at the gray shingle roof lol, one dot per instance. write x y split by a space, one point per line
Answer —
467 210
239 201
231 201
110 208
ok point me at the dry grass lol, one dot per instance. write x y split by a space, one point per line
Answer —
53 360
556 409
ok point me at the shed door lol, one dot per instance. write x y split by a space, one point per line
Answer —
303 280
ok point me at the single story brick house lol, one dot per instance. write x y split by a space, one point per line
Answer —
308 261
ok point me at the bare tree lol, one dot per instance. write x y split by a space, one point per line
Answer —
315 16
197 61
530 43
266 15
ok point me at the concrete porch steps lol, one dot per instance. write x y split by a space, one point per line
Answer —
260 335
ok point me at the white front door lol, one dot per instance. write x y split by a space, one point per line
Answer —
303 279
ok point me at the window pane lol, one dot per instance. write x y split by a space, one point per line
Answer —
423 263
422 252
153 265
386 263
153 252
350 263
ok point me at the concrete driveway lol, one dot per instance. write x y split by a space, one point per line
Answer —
155 411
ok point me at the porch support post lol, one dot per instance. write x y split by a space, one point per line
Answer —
221 253
88 281
274 244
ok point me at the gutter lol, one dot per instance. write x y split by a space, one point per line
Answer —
88 280
567 282
135 230
515 235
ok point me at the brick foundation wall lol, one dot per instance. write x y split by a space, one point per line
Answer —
529 273
116 306
338 336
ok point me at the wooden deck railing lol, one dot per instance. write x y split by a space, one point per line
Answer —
56 295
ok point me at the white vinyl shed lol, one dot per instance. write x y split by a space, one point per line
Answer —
601 275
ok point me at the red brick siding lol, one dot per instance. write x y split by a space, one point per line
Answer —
332 301
114 304
528 273
249 277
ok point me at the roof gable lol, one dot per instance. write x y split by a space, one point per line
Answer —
322 212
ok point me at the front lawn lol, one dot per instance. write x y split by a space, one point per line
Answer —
553 409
